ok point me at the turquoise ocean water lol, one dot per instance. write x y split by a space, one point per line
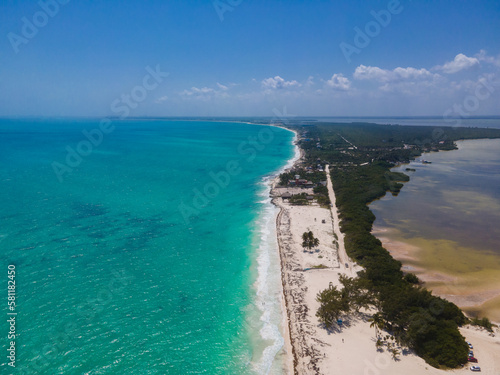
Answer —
149 251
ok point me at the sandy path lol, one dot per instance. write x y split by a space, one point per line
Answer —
343 258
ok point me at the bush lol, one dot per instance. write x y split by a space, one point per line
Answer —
484 322
332 305
411 278
440 342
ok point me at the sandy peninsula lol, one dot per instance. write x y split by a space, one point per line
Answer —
351 350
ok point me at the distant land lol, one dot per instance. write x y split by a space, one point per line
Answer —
359 156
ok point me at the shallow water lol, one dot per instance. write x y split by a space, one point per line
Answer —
449 216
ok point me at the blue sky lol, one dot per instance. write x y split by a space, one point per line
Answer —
250 57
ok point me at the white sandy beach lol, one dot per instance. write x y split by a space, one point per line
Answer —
352 350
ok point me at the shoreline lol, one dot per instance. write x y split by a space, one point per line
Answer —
307 342
290 363
469 290
281 359
313 350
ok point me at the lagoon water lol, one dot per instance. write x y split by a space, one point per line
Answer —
445 224
143 257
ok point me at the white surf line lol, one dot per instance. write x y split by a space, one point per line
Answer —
266 298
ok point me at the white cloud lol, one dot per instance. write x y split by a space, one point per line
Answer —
411 88
374 73
195 91
483 56
488 81
371 73
162 99
279 83
395 90
222 87
413 73
460 62
205 93
339 82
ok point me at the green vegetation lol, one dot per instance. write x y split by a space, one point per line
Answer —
321 189
484 322
299 199
314 176
377 321
320 267
360 158
379 142
411 278
323 201
354 295
332 306
321 194
309 241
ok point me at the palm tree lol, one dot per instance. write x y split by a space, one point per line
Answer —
305 239
395 354
377 321
315 242
309 241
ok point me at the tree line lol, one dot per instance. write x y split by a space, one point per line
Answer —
414 317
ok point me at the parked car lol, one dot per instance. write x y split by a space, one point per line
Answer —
470 345
472 359
475 368
471 353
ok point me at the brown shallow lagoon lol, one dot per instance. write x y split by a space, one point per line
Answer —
445 225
